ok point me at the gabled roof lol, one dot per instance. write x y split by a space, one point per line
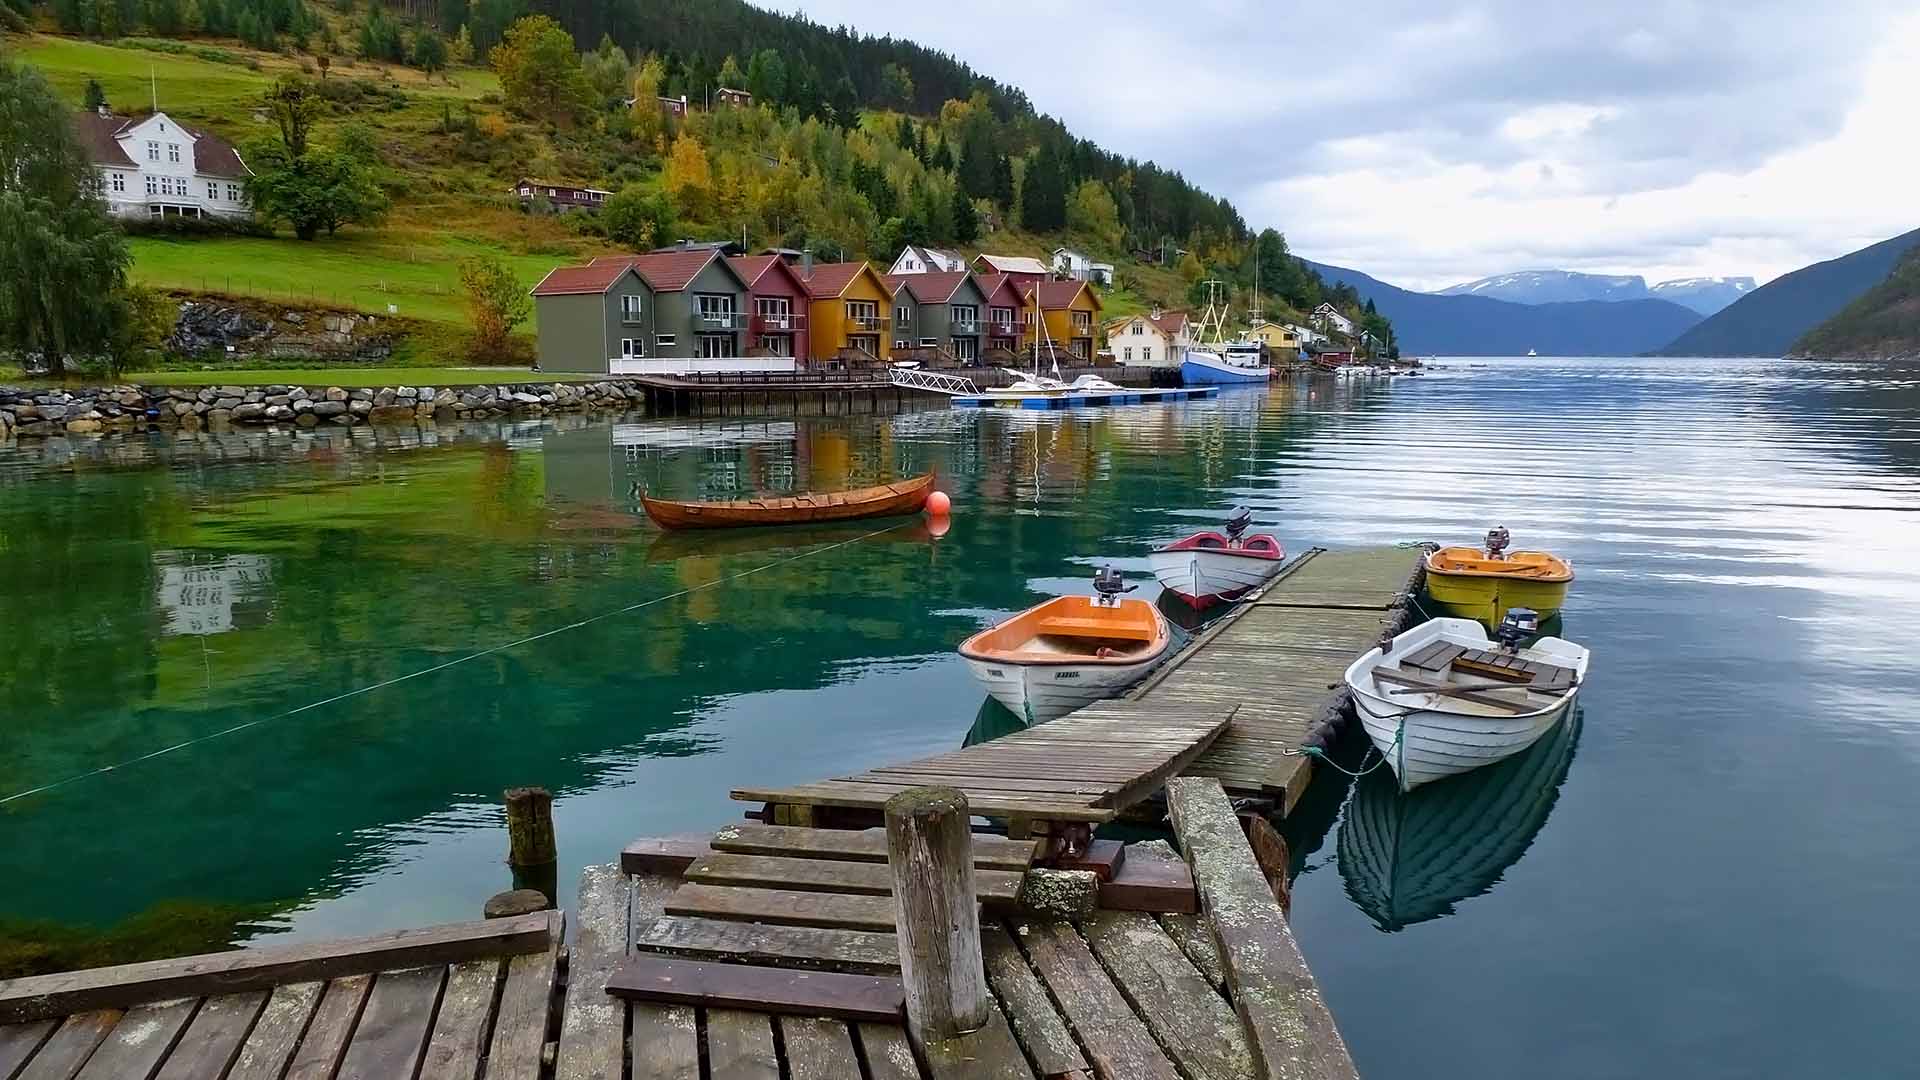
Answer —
669 271
97 133
212 155
992 284
937 287
831 279
1055 295
1169 321
1014 264
934 256
752 268
596 277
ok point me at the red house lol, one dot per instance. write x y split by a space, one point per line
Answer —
778 302
1004 326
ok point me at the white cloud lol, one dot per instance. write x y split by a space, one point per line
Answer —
1668 139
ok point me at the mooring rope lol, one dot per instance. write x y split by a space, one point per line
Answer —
1320 754
528 640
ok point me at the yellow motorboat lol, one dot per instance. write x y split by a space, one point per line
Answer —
1482 584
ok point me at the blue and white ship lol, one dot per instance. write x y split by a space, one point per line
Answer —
1235 363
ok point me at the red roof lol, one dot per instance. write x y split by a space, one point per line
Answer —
596 277
831 279
1056 294
665 271
937 288
992 284
753 269
1169 322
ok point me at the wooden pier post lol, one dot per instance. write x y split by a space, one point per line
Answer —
936 913
530 840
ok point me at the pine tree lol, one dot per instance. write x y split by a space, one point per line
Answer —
1003 182
96 96
966 220
1043 195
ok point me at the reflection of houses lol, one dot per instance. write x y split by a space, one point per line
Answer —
670 312
938 317
851 313
1157 339
200 597
560 196
1067 309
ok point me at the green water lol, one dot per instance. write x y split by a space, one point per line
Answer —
280 681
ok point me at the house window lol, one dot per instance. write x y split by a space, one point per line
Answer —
777 344
153 185
630 308
173 151
213 190
864 312
964 317
154 211
929 342
119 182
1136 329
1146 352
902 315
715 346
1127 353
166 185
716 311
233 192
663 341
1002 316
633 348
153 150
1082 322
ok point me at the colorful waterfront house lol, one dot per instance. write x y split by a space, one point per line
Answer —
850 312
915 259
1004 325
1067 311
1281 342
667 314
777 306
1157 339
1024 270
939 317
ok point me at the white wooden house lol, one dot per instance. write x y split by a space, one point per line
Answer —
155 166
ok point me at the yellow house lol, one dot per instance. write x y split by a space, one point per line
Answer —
850 308
1282 343
1069 310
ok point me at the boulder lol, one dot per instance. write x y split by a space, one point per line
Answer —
329 408
335 393
279 412
359 408
249 411
83 427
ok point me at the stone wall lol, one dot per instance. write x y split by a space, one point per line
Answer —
129 408
252 329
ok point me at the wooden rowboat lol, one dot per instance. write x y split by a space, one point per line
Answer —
882 500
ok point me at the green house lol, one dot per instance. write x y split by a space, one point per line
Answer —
667 313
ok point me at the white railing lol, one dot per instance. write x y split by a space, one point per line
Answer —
938 382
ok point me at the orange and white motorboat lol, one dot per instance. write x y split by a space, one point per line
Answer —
1069 652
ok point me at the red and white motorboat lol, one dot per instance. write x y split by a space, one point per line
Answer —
1210 568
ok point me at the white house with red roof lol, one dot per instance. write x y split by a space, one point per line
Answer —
154 166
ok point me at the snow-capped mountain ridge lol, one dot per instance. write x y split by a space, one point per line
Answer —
1705 295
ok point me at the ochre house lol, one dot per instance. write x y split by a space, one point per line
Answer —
1067 311
851 313
1281 342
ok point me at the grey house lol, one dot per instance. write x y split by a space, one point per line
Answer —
938 317
668 313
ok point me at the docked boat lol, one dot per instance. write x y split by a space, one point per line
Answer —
1482 583
1070 651
1205 367
1210 568
1407 857
881 500
1444 699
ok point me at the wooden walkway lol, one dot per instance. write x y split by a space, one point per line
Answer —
441 1003
1084 768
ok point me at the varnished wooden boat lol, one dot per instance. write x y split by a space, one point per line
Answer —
882 500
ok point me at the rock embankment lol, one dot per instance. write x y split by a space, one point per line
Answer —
27 412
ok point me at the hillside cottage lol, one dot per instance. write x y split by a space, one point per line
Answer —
1071 263
668 313
728 96
926 260
155 167
1327 317
1024 271
1159 339
561 196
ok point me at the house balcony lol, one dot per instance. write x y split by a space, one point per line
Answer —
868 324
1004 328
967 328
778 324
716 321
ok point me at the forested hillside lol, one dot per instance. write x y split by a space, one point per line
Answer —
1883 324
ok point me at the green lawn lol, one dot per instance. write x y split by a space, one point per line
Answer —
187 85
367 271
349 377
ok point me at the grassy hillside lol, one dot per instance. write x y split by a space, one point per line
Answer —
1882 324
1768 320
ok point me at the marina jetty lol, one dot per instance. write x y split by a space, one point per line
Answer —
859 927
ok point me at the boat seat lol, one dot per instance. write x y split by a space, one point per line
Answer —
1071 626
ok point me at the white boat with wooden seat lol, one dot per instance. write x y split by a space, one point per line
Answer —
1069 652
1444 699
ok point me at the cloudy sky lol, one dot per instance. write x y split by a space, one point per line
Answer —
1429 144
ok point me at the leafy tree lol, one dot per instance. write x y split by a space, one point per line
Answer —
637 219
96 96
1091 212
648 123
540 74
687 176
380 37
460 50
307 188
845 103
767 78
293 105
966 219
606 69
731 76
698 77
430 52
896 87
497 303
1190 268
941 158
63 265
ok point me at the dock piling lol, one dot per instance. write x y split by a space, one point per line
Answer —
532 850
936 912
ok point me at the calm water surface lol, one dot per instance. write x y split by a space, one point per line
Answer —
1712 874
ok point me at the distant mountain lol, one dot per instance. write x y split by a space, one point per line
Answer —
1768 320
1706 295
1883 324
1482 326
1553 287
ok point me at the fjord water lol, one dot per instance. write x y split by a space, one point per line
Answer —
312 663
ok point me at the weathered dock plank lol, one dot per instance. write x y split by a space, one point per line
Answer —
857 845
393 1029
1117 1040
276 1035
68 1048
139 1041
740 1046
593 1030
461 1031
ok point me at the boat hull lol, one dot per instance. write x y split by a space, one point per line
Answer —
1469 585
1067 653
883 500
1205 577
1424 744
1041 692
1208 369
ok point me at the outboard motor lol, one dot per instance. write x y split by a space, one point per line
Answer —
1237 524
1109 584
1497 541
1520 624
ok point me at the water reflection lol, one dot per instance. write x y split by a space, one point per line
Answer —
1409 858
199 596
